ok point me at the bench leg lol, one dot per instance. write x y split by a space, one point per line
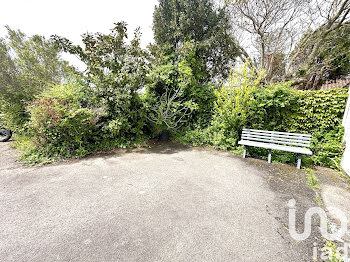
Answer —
299 161
269 158
244 151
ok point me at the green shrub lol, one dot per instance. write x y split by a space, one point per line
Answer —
196 137
271 107
279 108
116 71
204 97
70 121
60 125
319 113
232 109
312 179
166 98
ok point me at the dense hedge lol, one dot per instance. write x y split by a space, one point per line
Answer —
280 108
74 119
71 120
317 112
60 124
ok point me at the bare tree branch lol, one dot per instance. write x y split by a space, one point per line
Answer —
271 24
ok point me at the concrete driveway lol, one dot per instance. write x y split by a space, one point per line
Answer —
165 203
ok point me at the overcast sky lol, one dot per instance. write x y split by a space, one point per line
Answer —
72 18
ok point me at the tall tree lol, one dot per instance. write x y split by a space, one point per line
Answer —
272 26
208 26
331 61
116 70
28 65
288 36
328 16
322 53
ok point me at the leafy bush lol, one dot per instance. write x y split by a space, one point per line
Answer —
101 110
173 89
168 106
232 109
61 125
106 107
69 121
117 69
279 108
233 106
319 113
204 97
272 105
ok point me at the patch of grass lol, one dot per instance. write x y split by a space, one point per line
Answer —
319 200
333 248
238 150
30 154
344 175
312 179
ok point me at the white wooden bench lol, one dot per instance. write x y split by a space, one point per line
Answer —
290 142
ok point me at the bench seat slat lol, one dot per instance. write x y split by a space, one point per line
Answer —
270 139
277 135
276 132
293 149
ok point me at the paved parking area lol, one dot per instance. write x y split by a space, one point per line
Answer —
165 203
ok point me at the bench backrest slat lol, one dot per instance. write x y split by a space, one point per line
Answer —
276 132
286 135
274 139
282 138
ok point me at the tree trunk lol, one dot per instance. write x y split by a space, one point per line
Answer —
262 59
313 54
164 136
